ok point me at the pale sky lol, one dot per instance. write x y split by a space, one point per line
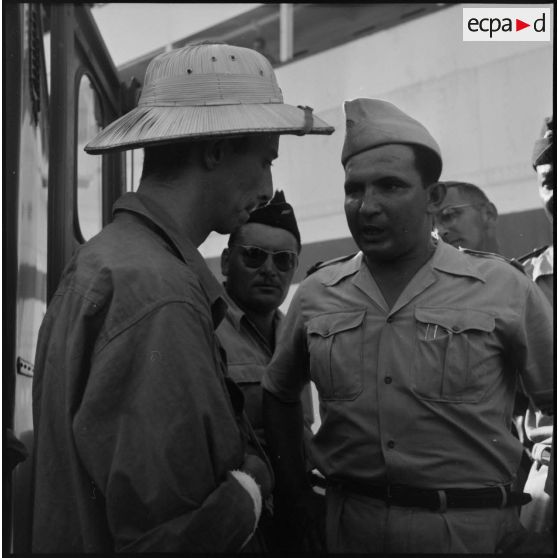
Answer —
131 30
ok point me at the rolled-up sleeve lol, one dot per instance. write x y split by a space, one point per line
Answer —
156 432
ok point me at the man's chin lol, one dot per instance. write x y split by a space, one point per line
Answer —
267 298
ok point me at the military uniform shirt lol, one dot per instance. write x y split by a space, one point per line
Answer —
422 393
538 426
541 270
248 355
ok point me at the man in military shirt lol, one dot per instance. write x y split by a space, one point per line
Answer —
415 349
539 265
467 218
258 265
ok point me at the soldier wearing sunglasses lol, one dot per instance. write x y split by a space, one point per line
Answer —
467 218
258 266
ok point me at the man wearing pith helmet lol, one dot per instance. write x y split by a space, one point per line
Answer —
415 349
141 440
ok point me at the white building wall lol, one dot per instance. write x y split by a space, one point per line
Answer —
483 102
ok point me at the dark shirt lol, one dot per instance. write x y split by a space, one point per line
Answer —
135 431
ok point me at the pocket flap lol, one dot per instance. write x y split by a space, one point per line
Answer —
456 320
330 324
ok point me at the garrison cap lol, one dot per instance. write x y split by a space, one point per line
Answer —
372 122
542 152
277 213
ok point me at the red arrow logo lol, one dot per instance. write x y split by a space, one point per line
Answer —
519 25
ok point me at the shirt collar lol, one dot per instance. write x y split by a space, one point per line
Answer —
236 313
336 273
133 202
445 258
448 259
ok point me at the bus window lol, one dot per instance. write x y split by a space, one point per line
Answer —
89 167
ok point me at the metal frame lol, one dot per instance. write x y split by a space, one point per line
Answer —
77 48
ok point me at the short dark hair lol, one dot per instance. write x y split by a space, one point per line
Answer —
470 191
427 163
166 160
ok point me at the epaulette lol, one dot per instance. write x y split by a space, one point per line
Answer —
320 265
533 254
494 256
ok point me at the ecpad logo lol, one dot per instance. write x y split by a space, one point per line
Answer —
506 24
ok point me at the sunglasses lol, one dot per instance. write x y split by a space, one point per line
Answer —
254 257
451 212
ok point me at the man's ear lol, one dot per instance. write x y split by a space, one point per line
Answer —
214 153
225 255
435 195
491 213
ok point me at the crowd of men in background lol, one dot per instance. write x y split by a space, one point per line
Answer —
173 414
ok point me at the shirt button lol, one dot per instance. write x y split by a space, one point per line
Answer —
391 444
388 380
455 328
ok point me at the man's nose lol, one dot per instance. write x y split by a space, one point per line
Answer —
370 201
268 267
266 190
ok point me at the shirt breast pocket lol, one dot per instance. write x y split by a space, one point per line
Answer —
335 346
453 348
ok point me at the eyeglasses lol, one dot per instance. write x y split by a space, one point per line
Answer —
449 213
254 257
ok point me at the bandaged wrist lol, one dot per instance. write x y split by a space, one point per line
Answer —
251 486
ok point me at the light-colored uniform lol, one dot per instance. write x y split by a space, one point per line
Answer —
537 515
420 394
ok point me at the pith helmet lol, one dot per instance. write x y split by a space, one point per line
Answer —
202 91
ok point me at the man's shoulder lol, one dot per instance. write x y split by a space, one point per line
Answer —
111 271
332 264
492 256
